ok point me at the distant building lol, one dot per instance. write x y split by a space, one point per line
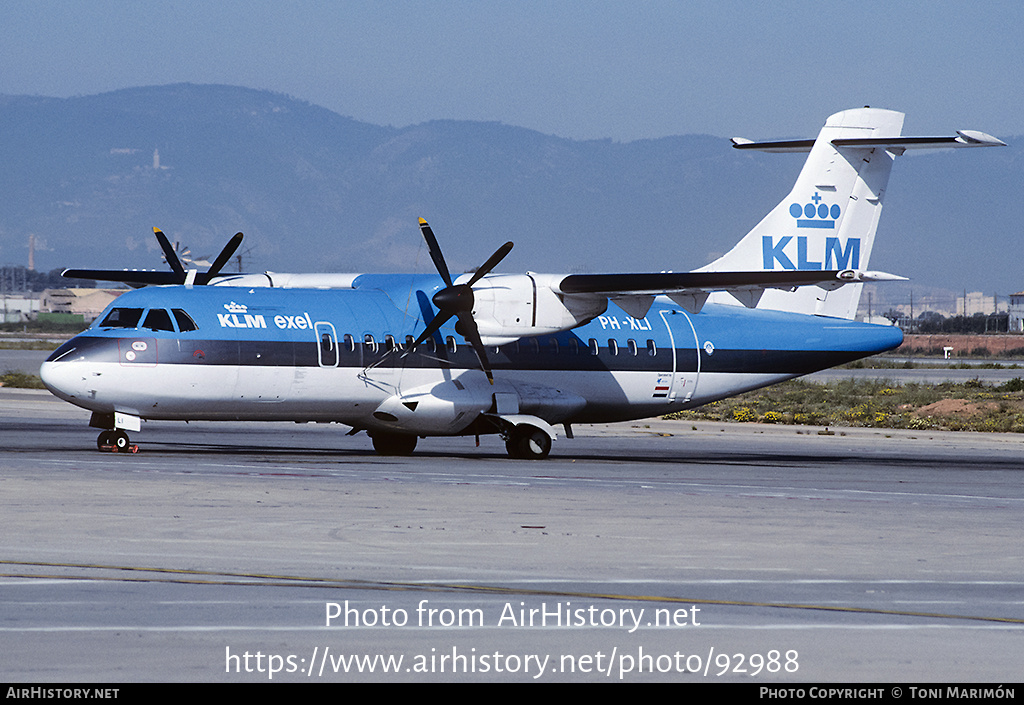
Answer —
906 304
1017 312
89 303
976 302
18 308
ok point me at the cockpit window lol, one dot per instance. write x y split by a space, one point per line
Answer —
122 318
158 319
185 322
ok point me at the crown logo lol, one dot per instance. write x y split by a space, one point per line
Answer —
236 308
815 215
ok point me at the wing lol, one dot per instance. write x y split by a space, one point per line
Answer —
145 277
132 277
635 293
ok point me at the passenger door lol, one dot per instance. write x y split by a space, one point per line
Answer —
685 362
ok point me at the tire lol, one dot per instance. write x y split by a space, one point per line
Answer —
120 439
528 443
394 444
104 439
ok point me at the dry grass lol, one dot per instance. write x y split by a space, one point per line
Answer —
20 380
970 406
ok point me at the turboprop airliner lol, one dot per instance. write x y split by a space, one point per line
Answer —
524 356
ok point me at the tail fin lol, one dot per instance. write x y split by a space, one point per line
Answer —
829 219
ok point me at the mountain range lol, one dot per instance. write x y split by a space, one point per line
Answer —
312 190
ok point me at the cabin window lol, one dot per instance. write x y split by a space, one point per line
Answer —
409 340
594 349
554 344
534 346
634 351
574 346
370 343
158 319
122 318
389 343
652 349
185 322
613 346
452 345
350 342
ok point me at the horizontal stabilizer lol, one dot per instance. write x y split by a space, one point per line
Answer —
963 138
781 146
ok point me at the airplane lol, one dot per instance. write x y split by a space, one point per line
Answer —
405 356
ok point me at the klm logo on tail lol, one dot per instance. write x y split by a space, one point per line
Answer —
815 215
834 255
811 251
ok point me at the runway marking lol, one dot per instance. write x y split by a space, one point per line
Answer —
308 628
269 580
685 486
706 627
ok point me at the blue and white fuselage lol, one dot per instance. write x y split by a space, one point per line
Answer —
405 356
340 355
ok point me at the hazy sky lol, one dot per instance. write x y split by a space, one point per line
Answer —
578 69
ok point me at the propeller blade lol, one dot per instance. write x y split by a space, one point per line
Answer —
223 257
439 320
472 334
435 252
169 254
490 264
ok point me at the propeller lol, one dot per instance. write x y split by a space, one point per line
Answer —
185 255
189 259
223 258
170 256
177 275
456 300
218 264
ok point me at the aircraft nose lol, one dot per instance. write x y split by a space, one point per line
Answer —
63 379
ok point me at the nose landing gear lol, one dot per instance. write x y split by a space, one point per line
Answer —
115 441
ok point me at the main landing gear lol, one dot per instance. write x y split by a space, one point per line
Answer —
523 442
115 441
394 443
526 442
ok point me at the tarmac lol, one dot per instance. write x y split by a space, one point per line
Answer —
647 551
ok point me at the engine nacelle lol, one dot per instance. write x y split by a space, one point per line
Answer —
436 409
513 306
448 408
